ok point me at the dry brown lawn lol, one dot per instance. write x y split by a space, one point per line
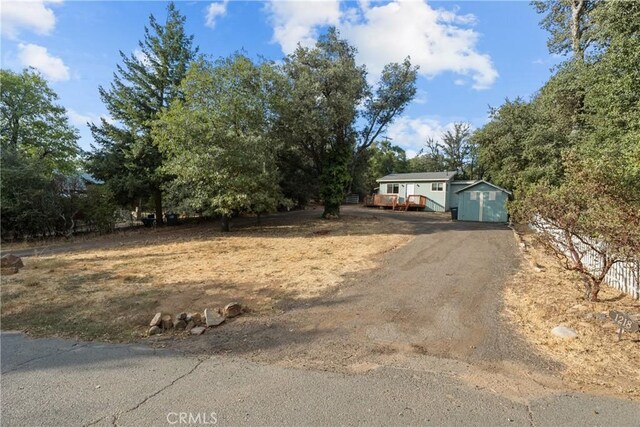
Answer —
543 295
111 293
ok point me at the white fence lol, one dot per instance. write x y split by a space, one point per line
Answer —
624 276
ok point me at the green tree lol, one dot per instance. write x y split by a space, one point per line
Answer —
453 152
456 149
216 139
38 146
384 159
524 142
146 83
569 23
33 124
428 159
321 91
594 204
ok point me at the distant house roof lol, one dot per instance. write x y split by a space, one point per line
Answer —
418 176
482 181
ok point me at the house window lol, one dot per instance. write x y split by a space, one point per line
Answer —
393 189
436 186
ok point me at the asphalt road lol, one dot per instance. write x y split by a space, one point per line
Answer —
52 382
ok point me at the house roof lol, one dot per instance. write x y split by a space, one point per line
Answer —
485 182
418 177
467 182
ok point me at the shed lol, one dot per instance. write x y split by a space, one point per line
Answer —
483 202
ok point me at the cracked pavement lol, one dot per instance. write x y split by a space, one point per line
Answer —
55 382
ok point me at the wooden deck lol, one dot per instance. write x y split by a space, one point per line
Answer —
392 201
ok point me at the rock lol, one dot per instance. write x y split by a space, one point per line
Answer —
179 324
156 320
194 317
564 332
232 310
190 326
166 322
181 316
155 330
198 330
212 317
7 271
11 261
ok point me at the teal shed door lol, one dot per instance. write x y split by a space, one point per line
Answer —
483 206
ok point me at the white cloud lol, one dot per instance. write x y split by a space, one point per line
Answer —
214 10
437 40
298 21
33 15
412 133
421 97
79 119
38 57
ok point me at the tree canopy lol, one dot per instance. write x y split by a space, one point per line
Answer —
572 153
325 92
33 124
216 139
146 82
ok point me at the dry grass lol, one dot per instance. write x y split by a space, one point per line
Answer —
544 295
111 293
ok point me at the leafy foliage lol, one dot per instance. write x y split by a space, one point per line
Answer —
216 139
147 82
39 155
383 159
569 23
33 125
322 89
572 152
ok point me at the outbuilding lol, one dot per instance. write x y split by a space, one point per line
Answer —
482 201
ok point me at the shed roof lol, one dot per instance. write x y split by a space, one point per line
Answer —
418 176
467 182
482 181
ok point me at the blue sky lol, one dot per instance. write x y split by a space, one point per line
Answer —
472 54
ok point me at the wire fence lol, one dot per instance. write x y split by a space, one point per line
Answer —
624 276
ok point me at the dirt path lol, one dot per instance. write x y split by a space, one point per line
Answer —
434 300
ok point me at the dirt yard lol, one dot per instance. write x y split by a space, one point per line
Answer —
543 295
403 289
109 289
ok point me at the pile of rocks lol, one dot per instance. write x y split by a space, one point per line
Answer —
10 264
196 323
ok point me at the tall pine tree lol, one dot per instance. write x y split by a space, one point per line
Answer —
145 83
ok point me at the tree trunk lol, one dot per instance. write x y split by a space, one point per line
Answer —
577 10
595 289
157 199
139 210
224 224
591 289
331 210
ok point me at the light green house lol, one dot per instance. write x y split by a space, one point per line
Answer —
475 200
481 201
435 186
